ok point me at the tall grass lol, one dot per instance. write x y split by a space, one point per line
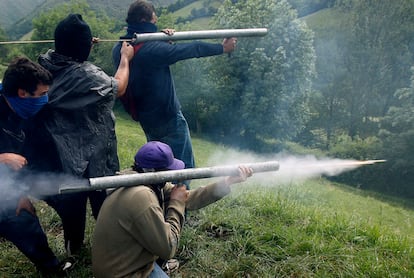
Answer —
294 231
309 229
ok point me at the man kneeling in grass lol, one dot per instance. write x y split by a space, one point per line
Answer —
138 225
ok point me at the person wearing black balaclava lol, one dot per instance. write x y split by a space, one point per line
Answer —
23 93
75 132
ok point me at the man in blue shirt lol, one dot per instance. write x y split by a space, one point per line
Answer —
151 95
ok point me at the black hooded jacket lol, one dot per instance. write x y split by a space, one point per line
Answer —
75 132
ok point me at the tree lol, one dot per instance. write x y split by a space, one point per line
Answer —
328 108
397 133
377 58
3 48
261 92
364 51
101 27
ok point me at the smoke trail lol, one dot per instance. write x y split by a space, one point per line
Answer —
9 189
15 184
42 184
291 168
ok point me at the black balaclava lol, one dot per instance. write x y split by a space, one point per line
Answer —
73 38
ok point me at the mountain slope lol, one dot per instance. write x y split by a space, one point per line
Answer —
16 15
13 10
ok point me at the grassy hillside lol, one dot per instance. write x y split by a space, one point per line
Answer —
13 10
312 228
16 15
325 23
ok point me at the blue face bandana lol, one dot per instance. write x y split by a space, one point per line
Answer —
27 107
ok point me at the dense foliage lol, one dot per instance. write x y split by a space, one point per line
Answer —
397 134
101 27
259 92
364 58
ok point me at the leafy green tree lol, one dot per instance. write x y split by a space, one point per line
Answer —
4 53
102 27
364 51
3 48
397 133
328 108
166 20
261 92
377 57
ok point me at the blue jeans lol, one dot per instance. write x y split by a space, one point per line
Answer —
157 272
25 232
176 134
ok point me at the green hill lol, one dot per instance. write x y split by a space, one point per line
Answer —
16 15
13 10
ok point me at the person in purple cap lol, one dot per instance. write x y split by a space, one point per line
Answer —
138 225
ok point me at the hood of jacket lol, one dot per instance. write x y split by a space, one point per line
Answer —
55 62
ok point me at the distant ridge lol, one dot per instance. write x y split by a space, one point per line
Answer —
16 15
13 10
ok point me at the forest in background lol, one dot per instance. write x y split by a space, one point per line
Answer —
331 78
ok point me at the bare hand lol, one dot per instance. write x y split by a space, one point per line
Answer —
229 45
180 193
14 161
168 32
127 50
95 40
244 173
26 204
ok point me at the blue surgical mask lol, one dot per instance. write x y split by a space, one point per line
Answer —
27 107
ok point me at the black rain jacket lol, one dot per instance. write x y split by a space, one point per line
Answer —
75 131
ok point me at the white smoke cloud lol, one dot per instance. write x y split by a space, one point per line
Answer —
15 184
10 188
291 168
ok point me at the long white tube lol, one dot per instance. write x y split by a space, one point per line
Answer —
108 182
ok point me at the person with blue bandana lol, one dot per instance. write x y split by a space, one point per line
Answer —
23 92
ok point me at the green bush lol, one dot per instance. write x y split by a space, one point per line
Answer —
370 148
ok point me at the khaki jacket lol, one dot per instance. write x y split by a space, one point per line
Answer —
133 230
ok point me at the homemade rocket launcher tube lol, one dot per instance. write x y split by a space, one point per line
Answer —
182 35
129 180
196 35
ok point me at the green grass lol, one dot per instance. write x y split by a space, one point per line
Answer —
314 229
310 229
200 24
186 11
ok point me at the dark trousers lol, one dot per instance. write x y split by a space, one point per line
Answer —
72 210
176 134
25 232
